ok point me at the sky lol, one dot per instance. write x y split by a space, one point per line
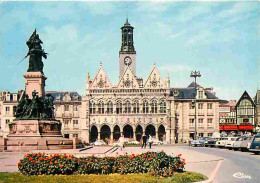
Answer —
219 39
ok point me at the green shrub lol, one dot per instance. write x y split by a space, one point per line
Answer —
156 163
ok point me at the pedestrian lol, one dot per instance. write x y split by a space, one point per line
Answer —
121 142
190 139
150 141
144 139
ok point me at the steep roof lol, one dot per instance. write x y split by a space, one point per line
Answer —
59 95
192 85
189 93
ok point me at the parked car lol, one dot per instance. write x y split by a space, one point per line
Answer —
99 143
211 142
199 142
237 143
245 144
230 142
157 142
255 144
222 142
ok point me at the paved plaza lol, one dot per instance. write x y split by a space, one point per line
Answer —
219 165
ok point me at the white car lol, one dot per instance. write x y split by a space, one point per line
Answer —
157 142
99 143
222 142
230 142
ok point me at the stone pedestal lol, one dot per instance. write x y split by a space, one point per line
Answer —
34 81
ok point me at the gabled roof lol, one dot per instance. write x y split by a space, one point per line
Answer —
155 77
245 96
128 77
101 77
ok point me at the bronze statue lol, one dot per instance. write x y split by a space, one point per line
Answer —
38 108
36 53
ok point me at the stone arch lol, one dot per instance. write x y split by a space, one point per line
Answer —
105 132
162 133
116 132
128 131
139 132
150 130
93 133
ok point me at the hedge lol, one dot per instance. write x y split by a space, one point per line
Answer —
156 163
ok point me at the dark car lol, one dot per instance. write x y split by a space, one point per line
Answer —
255 145
211 142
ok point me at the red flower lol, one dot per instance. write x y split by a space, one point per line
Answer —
84 161
56 162
179 155
51 159
79 160
144 155
131 157
60 166
154 156
112 157
133 154
170 174
181 165
89 160
126 153
152 173
30 159
93 156
51 163
122 161
116 152
64 154
43 153
68 158
105 168
150 158
85 168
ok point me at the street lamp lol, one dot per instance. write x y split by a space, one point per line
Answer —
195 74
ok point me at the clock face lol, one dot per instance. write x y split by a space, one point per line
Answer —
127 61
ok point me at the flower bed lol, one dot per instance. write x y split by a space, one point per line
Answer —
156 163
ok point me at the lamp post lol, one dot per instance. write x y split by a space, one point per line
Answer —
195 74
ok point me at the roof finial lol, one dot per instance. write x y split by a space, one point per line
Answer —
100 63
154 64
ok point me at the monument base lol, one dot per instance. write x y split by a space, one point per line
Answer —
26 135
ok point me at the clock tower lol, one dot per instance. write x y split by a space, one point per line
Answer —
127 54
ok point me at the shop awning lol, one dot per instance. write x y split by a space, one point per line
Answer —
228 127
245 127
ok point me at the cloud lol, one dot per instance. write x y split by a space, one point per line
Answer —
99 8
153 7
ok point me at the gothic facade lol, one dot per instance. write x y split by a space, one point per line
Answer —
131 107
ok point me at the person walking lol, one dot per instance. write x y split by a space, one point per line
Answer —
190 139
150 141
144 138
121 142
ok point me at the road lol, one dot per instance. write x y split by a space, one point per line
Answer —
243 164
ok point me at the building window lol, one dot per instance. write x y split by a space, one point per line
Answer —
7 110
200 106
136 107
128 107
75 108
200 94
154 107
209 105
110 107
67 107
66 123
191 122
92 107
163 107
75 135
200 122
201 134
101 109
210 134
191 106
119 107
75 123
145 107
210 120
7 121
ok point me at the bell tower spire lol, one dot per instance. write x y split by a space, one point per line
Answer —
127 53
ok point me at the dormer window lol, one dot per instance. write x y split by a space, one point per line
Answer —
58 98
200 94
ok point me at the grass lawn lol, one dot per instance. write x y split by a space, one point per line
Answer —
112 178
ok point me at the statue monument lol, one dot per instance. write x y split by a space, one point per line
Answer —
35 127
